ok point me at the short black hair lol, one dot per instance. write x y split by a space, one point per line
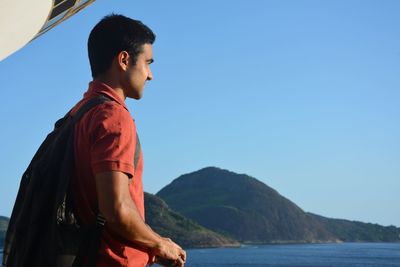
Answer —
113 34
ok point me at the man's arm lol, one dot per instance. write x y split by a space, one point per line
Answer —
122 217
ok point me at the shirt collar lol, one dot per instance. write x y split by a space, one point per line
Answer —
99 88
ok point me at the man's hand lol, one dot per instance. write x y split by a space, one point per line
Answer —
169 254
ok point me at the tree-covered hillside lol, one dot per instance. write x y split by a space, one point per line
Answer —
184 231
248 210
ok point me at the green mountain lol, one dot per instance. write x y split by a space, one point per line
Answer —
354 231
246 209
3 228
184 231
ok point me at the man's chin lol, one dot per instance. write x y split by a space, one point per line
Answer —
136 96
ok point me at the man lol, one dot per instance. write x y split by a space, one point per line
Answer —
120 54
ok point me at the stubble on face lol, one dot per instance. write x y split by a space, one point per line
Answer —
139 72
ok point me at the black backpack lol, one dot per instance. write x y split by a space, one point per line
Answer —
43 230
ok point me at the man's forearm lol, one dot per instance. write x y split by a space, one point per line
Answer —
120 212
123 218
129 225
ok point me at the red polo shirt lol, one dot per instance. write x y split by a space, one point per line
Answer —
105 140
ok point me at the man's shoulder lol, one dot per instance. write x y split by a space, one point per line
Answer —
112 108
112 112
108 115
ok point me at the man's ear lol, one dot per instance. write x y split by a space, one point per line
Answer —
123 59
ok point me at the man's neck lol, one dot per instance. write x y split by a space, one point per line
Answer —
113 84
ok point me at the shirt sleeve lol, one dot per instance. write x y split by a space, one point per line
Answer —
113 140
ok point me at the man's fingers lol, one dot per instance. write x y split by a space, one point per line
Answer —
179 262
172 252
183 255
152 259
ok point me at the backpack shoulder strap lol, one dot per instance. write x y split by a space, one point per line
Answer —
89 105
137 152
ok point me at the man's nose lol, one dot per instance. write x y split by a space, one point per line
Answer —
150 76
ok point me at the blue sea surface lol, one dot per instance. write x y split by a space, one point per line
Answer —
313 255
303 255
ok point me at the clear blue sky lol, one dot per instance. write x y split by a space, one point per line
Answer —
303 95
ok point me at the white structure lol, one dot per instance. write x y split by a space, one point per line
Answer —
23 20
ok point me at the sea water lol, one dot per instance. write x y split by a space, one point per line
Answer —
313 255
